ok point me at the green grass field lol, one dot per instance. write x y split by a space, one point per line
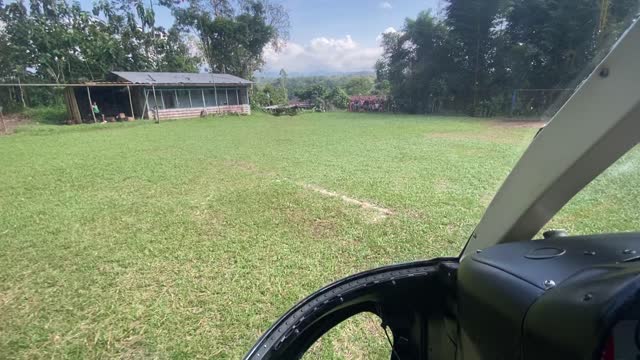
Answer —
189 238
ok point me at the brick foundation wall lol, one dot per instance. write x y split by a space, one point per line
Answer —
195 112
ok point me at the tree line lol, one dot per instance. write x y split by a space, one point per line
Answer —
472 57
56 41
327 92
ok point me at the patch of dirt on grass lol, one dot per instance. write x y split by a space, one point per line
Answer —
518 123
211 223
359 337
372 324
248 167
5 298
242 165
485 200
442 185
350 344
380 212
11 122
484 135
493 133
323 228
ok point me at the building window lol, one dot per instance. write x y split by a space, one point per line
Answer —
196 98
183 99
152 100
222 97
169 97
243 96
210 97
233 96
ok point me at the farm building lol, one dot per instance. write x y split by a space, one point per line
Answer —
158 95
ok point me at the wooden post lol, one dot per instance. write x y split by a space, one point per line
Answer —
91 105
146 102
204 102
237 97
4 126
24 104
155 99
190 101
246 92
226 93
131 102
215 96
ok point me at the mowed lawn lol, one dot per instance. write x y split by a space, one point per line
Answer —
189 238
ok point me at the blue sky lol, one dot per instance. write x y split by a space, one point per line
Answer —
332 35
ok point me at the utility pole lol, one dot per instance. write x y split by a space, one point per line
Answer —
24 104
4 126
91 105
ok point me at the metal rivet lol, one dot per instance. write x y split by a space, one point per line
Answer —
587 297
548 284
628 251
604 72
589 252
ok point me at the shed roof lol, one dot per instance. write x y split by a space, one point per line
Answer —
157 78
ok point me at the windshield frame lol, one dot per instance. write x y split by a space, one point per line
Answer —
593 129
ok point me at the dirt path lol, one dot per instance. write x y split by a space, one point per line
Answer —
381 212
11 122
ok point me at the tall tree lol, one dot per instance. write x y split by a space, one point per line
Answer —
149 47
470 23
233 38
417 64
360 85
473 58
57 42
283 82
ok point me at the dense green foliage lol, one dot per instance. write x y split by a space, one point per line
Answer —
471 59
55 41
52 41
268 95
326 92
48 41
189 238
233 35
359 86
298 84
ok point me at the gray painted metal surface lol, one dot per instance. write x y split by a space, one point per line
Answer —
157 78
595 127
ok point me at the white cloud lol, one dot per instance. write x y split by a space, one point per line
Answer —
323 54
389 30
385 5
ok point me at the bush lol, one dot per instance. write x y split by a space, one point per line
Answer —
55 115
338 98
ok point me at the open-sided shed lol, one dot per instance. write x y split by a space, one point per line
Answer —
159 95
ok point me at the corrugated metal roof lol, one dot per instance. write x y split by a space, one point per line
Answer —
179 78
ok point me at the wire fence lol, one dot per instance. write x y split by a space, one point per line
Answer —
15 98
538 102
